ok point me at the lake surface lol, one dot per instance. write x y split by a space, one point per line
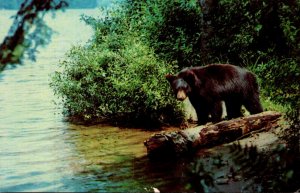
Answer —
39 151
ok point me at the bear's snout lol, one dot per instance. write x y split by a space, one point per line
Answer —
181 95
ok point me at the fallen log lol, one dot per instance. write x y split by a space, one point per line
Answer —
166 144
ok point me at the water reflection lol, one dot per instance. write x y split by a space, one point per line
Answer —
116 161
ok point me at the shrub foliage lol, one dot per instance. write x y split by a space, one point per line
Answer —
124 86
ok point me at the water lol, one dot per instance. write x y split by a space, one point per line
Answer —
39 151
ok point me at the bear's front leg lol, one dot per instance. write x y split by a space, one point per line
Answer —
202 114
201 108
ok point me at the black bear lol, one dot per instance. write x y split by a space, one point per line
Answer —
208 86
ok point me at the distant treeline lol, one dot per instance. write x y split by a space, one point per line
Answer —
73 4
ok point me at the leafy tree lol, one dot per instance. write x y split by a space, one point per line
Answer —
21 38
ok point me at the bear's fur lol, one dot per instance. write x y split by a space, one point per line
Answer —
208 86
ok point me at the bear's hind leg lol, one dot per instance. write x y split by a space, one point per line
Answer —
253 104
233 108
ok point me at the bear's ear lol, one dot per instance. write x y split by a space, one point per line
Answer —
191 78
170 77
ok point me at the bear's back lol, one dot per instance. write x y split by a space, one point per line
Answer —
219 79
216 72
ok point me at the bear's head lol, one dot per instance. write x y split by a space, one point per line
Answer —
183 83
180 86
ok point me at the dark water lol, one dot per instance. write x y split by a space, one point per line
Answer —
41 152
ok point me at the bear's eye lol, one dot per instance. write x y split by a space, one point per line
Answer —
180 84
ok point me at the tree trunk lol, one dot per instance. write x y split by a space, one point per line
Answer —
166 144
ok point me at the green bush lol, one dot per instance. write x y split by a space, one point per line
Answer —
280 81
127 86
